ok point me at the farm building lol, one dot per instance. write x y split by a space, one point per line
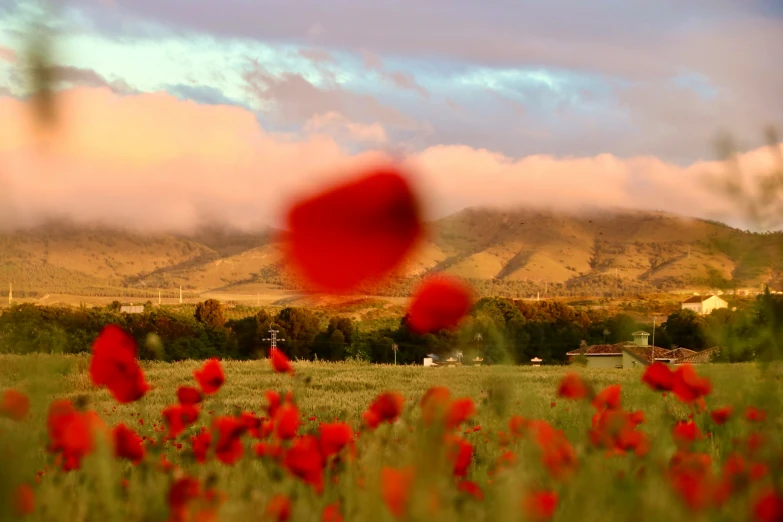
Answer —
637 353
704 304
131 309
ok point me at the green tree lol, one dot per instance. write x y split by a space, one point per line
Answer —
686 328
210 313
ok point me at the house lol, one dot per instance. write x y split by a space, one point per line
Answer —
701 357
131 309
636 353
704 304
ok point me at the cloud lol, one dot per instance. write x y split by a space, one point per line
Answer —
74 76
7 55
152 162
338 126
317 56
398 79
296 100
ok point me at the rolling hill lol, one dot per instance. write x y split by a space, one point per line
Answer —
505 252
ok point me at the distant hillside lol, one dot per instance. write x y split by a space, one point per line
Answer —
506 253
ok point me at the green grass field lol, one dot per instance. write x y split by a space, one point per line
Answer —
616 488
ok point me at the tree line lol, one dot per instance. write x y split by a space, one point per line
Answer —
498 330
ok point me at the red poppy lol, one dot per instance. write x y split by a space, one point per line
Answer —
24 500
15 405
332 513
179 417
264 449
210 377
189 395
70 433
356 232
228 448
181 493
304 460
115 366
540 505
127 444
517 425
278 508
686 433
287 421
334 437
659 377
608 398
459 452
280 362
754 414
721 415
768 507
572 387
459 411
200 444
395 488
688 386
439 303
471 488
387 407
273 402
434 403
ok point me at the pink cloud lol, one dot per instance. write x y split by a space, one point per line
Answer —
7 55
337 125
151 161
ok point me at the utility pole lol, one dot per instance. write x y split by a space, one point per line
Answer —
653 341
272 338
394 349
158 296
10 293
180 294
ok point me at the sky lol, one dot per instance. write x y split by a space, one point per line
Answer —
175 112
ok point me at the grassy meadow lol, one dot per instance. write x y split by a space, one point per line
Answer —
602 487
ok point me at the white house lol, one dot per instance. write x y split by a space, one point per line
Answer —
704 304
137 309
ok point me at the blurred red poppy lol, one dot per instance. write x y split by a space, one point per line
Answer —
304 460
332 513
754 414
127 444
540 505
459 452
189 395
287 421
114 365
572 387
438 303
608 398
721 415
15 405
210 377
434 403
688 386
659 377
334 437
471 488
24 500
356 232
278 508
395 488
228 447
280 362
387 407
459 411
200 444
768 507
178 417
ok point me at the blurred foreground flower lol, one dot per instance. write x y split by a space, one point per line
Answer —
439 303
354 233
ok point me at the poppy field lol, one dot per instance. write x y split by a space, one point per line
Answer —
106 437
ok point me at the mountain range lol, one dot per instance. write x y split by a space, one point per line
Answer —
523 249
